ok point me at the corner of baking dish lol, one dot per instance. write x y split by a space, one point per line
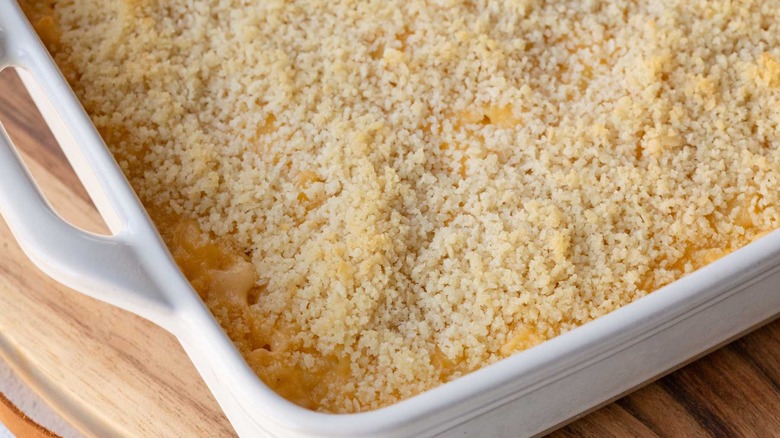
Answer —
460 400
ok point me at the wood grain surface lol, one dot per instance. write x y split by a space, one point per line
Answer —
126 376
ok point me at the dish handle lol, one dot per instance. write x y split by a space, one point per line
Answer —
106 267
112 268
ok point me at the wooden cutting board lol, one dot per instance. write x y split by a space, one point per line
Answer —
112 373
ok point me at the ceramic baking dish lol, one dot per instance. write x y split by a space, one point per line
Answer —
526 394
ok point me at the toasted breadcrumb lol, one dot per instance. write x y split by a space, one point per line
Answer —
402 192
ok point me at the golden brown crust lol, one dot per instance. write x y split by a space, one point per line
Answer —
425 187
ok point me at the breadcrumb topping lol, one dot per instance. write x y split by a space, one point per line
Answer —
406 191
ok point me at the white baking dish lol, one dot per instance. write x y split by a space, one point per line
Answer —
526 394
